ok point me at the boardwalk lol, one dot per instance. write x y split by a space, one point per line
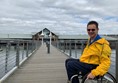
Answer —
41 68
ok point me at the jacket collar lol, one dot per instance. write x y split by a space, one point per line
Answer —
96 38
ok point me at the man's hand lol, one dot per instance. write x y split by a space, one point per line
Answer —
90 76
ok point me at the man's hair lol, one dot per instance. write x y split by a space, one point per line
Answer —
93 22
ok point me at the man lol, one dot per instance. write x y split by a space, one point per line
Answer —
95 58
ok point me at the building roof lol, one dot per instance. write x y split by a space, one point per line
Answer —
83 37
46 32
14 36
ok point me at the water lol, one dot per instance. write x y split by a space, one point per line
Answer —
9 62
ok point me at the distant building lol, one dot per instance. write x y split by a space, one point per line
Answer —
46 35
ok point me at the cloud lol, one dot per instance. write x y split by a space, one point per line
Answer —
60 16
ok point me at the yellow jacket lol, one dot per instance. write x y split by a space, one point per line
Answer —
97 53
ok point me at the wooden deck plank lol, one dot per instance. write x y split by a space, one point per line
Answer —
41 68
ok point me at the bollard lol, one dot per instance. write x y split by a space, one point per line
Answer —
48 47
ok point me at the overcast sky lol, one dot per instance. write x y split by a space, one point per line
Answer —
59 16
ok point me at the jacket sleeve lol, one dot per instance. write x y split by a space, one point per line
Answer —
104 62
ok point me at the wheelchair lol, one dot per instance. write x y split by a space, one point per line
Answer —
107 78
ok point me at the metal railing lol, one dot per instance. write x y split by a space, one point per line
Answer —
116 61
73 48
13 53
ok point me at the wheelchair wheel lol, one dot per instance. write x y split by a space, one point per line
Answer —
107 78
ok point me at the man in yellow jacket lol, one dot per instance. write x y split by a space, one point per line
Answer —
95 58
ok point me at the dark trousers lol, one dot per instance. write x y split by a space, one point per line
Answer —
73 66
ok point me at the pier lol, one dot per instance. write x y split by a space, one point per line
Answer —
41 67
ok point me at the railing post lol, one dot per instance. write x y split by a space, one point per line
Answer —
82 45
76 49
7 54
59 45
64 46
70 50
27 49
116 61
17 54
23 49
32 45
37 44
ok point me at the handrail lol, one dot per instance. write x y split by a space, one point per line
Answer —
14 53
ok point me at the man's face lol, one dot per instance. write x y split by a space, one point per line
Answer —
92 30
